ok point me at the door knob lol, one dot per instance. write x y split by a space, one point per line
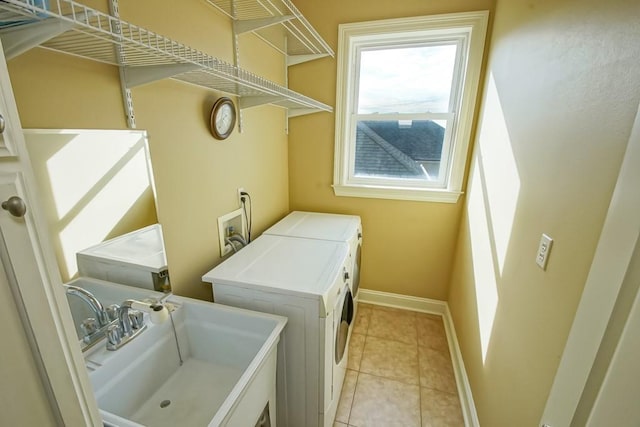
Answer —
2 124
15 205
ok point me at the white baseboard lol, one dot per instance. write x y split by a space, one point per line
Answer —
464 388
426 305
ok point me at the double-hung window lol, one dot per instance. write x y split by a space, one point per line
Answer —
406 93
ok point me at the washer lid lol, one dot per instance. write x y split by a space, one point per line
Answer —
309 268
142 248
314 225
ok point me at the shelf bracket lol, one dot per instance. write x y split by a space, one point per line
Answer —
140 75
127 97
236 58
295 112
247 25
17 40
254 101
298 59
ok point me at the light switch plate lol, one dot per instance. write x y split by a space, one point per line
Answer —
542 256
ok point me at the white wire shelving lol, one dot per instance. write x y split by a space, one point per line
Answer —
73 28
280 24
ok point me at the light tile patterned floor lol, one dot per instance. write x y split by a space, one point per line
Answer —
399 372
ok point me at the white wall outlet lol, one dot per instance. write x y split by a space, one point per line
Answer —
240 191
543 251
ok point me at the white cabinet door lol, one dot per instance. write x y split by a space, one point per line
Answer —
27 402
42 375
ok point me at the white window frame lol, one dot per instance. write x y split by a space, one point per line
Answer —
468 29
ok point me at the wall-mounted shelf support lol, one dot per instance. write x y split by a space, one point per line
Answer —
241 27
299 59
280 25
143 74
20 39
127 97
293 36
236 61
255 101
301 112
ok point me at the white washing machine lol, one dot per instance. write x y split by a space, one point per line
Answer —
135 259
307 281
324 226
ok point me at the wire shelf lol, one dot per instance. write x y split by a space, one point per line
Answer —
293 37
91 34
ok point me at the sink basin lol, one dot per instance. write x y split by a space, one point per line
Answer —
227 378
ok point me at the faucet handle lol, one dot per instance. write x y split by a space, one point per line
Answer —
113 335
136 318
89 327
112 311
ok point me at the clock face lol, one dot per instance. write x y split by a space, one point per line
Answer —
223 118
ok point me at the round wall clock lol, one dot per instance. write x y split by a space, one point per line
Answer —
223 118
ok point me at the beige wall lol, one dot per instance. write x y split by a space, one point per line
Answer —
196 176
561 94
408 246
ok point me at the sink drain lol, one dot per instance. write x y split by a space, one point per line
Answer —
165 403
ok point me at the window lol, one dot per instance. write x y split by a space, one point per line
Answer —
405 98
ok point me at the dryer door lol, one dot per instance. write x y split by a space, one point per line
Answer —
342 328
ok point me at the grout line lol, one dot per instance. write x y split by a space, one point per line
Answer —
391 379
353 398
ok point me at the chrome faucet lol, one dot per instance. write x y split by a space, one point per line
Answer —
128 319
131 322
96 306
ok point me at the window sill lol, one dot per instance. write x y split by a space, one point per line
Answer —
421 195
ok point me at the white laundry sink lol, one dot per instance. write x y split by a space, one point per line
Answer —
227 378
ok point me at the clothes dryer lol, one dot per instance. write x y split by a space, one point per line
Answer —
307 281
325 226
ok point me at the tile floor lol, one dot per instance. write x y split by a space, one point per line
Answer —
399 372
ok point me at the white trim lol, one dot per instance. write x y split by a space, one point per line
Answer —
431 306
462 381
384 117
474 25
620 234
419 194
424 305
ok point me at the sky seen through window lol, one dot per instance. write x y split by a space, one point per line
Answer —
414 79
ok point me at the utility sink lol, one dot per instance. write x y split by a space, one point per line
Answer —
227 377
